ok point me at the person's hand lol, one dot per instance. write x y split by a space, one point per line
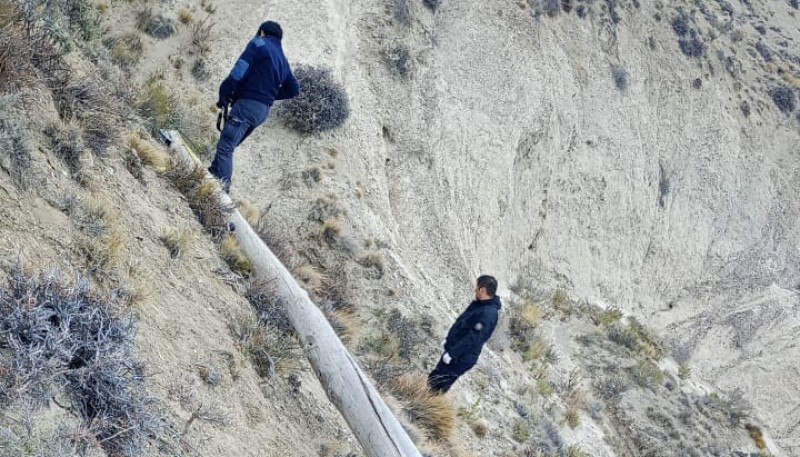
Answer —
447 359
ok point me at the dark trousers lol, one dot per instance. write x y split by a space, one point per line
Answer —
244 117
444 375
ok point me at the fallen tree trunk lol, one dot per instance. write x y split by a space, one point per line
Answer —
375 426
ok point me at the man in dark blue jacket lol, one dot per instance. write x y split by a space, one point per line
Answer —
466 337
260 76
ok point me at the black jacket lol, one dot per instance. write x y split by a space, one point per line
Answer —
471 330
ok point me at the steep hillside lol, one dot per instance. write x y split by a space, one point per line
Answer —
627 171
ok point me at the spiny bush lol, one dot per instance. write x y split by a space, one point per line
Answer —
434 413
155 25
407 332
399 59
16 156
692 46
271 309
401 11
323 103
784 98
67 144
432 5
65 339
681 24
620 78
16 69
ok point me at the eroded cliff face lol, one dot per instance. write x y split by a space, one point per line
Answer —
633 157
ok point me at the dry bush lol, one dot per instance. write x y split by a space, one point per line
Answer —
249 212
232 254
434 413
323 103
408 334
155 25
67 144
67 341
16 67
271 309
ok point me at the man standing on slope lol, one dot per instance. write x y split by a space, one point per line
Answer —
467 336
260 76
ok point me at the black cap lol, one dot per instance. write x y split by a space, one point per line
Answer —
271 28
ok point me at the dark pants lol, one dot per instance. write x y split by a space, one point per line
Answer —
244 117
444 375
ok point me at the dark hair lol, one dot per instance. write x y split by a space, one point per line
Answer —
271 28
488 283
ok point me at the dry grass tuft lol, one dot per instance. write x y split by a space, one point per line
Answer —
185 15
373 259
250 213
344 323
312 280
200 37
433 413
178 241
232 254
271 350
331 230
126 49
480 427
149 153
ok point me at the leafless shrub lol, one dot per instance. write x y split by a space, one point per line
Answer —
16 158
407 333
271 308
66 338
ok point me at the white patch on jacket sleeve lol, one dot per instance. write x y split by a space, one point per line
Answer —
478 326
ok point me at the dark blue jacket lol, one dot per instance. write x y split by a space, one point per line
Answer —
262 73
471 330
